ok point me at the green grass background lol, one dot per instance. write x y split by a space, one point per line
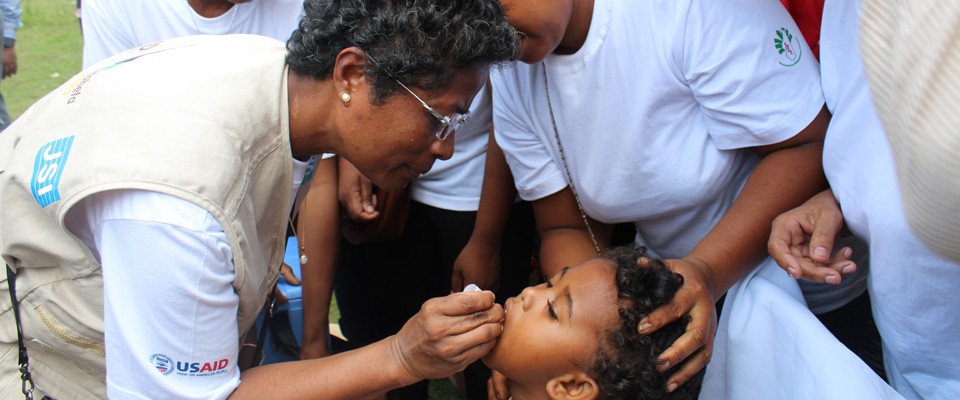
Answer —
49 52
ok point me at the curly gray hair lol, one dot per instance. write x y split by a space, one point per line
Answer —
420 42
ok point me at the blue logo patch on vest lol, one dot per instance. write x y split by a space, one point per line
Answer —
47 168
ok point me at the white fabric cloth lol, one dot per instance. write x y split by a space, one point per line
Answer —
771 347
912 289
112 26
656 112
455 184
142 236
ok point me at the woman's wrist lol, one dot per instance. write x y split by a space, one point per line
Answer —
706 275
397 367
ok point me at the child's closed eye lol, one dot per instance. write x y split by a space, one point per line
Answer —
552 310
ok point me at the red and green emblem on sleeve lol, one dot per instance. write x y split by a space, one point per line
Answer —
788 47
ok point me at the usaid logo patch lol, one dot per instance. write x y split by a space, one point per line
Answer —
166 366
47 168
162 363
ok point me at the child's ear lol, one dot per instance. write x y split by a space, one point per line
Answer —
578 386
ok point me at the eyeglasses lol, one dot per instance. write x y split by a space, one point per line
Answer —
449 124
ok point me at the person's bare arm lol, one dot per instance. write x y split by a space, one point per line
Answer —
564 238
444 337
318 231
789 173
479 261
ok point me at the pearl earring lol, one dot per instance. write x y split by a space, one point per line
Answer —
345 97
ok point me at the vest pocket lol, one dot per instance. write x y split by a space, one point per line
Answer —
66 336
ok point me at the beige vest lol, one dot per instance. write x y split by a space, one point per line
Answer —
200 118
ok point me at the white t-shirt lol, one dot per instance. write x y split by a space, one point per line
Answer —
913 290
112 26
656 110
455 184
166 262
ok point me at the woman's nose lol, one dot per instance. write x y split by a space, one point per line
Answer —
443 149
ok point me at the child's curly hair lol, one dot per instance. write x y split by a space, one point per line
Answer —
626 365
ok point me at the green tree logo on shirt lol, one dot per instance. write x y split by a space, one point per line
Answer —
788 47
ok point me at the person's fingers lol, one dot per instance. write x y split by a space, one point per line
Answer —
498 386
783 255
694 364
842 261
287 272
465 323
356 196
454 352
809 269
361 208
829 273
824 235
352 205
784 235
365 216
477 351
820 274
458 304
368 200
366 205
681 304
696 337
691 352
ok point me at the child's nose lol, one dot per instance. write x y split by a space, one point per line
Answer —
529 296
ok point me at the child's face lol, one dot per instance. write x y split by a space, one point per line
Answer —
555 328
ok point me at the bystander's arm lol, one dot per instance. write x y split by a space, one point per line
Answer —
318 231
479 261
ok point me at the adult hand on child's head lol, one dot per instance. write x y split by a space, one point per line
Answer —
448 334
801 241
691 352
355 192
477 265
498 387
